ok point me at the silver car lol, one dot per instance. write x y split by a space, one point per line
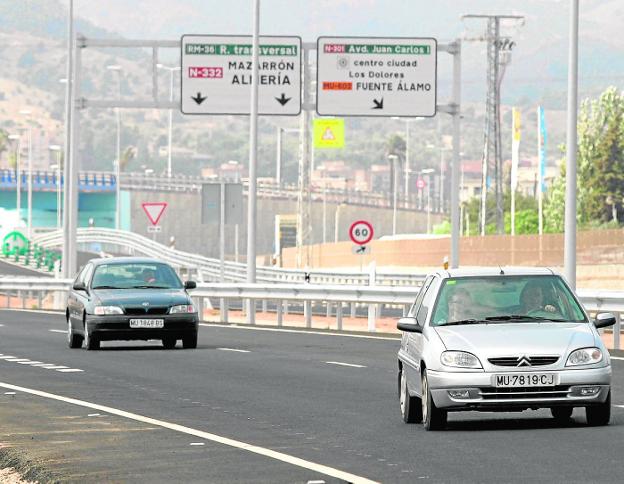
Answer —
501 340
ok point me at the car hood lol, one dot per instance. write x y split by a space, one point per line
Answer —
509 339
136 297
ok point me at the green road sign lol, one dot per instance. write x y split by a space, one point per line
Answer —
14 243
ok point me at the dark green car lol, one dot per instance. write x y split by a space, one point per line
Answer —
130 298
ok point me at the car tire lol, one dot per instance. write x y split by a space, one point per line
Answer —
433 418
411 408
91 342
189 342
561 414
169 342
73 340
600 414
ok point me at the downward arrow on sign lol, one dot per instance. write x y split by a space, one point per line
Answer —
199 98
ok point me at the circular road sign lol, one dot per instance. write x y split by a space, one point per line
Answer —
420 183
361 232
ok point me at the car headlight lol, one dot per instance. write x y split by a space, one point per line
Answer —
183 308
106 310
584 356
460 359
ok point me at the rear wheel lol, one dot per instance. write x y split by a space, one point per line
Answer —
169 342
433 418
561 414
599 414
411 409
91 341
190 342
73 340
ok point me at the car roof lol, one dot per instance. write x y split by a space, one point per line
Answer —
125 260
495 271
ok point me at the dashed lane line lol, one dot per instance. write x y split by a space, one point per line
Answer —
617 358
39 364
272 454
340 363
58 331
234 349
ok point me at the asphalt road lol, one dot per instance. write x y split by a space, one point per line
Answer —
275 390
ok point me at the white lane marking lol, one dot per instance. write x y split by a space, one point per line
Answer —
94 415
44 365
619 406
28 362
58 331
617 358
55 367
6 357
69 370
234 349
16 360
272 454
197 443
42 311
9 393
1 325
344 364
365 336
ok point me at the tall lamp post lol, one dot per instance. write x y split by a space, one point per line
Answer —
117 68
28 114
57 149
428 172
393 159
171 71
18 176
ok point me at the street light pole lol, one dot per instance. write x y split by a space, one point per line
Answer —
569 247
117 69
18 176
57 149
393 159
28 114
171 71
428 171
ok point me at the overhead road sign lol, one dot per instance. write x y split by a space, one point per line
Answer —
216 75
368 76
329 133
361 232
154 211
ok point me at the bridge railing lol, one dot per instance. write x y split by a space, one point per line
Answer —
45 292
209 268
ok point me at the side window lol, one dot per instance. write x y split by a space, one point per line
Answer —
86 274
80 276
427 303
414 309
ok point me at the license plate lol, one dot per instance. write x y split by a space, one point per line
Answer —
525 380
147 323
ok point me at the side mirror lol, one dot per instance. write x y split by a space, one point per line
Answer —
409 325
190 285
604 319
80 286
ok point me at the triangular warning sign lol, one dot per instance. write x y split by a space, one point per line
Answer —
154 211
328 135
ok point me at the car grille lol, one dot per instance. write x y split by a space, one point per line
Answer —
141 311
492 393
526 361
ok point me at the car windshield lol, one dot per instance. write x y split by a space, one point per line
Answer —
492 299
135 276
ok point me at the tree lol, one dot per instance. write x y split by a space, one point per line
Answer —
600 162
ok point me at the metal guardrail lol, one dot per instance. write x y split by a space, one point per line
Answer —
335 295
209 269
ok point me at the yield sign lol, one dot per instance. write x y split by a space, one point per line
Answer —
154 211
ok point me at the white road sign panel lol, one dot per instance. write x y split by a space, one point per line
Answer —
216 75
359 76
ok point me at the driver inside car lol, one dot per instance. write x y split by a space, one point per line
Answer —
532 299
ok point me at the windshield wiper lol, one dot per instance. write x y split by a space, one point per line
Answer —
106 287
465 321
147 286
520 317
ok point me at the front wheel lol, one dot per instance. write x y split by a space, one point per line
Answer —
411 408
73 340
598 415
433 418
91 341
189 342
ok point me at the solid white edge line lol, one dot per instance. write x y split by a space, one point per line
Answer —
42 311
283 330
234 349
272 454
344 364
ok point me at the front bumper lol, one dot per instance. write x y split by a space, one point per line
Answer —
117 327
483 395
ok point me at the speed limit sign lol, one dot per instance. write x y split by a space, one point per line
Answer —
361 232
